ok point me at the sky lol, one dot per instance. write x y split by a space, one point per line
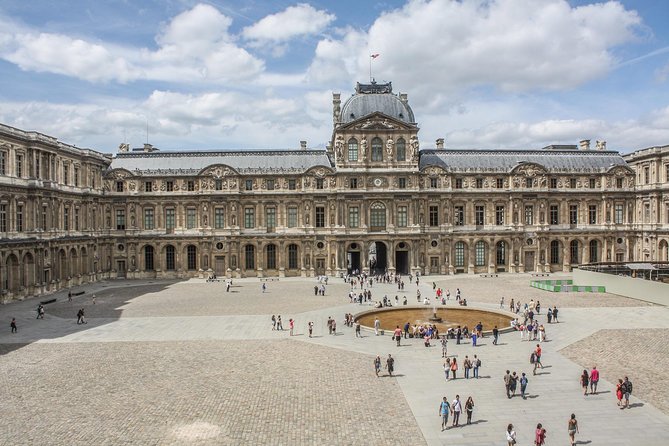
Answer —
241 74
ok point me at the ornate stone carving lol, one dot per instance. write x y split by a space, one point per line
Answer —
390 144
415 147
363 148
339 147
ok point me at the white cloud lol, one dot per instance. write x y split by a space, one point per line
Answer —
299 20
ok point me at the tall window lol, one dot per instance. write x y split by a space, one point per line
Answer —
249 257
170 264
218 184
353 216
120 219
592 214
190 218
646 175
402 216
401 149
19 165
434 215
292 256
618 214
459 254
434 183
529 215
378 217
148 218
500 255
499 215
38 170
249 218
594 251
169 186
66 219
270 218
554 219
3 162
320 216
76 219
191 257
3 218
170 218
148 186
270 261
292 216
76 176
19 218
592 183
459 215
319 183
119 186
479 215
219 218
553 183
66 174
458 183
148 258
573 252
619 183
555 252
402 183
353 149
573 215
528 183
479 249
377 149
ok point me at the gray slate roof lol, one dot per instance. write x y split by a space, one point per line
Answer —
191 163
361 105
554 161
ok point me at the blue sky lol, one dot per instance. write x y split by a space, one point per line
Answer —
245 74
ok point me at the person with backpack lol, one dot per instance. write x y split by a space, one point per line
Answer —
476 363
456 405
523 385
444 407
627 391
507 383
467 365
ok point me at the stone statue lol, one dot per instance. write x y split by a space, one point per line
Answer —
413 143
363 148
339 147
389 147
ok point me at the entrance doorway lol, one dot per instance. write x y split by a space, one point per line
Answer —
353 259
219 265
401 262
378 258
320 266
529 261
120 268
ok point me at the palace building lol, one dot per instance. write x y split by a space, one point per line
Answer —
372 201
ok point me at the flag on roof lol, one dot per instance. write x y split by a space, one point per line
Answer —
374 56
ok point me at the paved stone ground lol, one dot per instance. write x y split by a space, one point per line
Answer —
641 355
184 363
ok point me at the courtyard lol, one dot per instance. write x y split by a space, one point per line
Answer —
179 363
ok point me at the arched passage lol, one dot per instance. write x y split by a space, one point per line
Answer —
402 258
378 258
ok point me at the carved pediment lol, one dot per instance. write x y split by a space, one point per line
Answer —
433 170
377 121
320 171
218 171
529 170
620 171
119 174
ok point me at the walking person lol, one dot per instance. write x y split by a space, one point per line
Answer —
454 367
476 363
310 326
555 314
444 347
469 408
456 405
291 325
523 385
12 325
377 365
584 382
619 393
264 287
447 367
507 383
572 429
398 335
467 365
357 329
377 326
513 383
279 324
537 359
40 312
273 322
627 391
444 407
594 379
390 365
495 335
540 435
510 435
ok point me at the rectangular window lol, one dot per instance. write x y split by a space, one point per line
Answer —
319 183
479 183
553 183
479 215
353 216
120 219
618 214
270 184
169 186
572 183
529 215
3 218
499 215
402 216
592 214
353 183
459 216
76 219
119 186
666 173
248 185
573 214
38 170
528 183
19 166
270 218
148 218
219 218
479 249
148 186
44 219
66 219
402 183
66 174
170 218
19 218
592 183
434 215
218 185
3 163
190 185
458 183
249 218
500 183
459 254
320 216
190 218
553 215
76 176
619 183
433 183
292 217
292 185
646 175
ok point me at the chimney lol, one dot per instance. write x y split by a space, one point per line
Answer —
303 145
148 147
440 143
585 144
601 145
404 98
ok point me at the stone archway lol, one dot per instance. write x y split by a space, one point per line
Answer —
353 263
378 258
402 258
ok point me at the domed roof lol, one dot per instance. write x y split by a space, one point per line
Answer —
371 98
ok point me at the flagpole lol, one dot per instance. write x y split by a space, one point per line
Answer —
370 68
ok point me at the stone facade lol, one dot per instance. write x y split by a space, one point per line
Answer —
371 201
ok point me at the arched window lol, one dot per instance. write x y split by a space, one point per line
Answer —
353 149
377 149
191 256
594 251
169 258
148 258
270 260
573 252
459 254
501 253
377 217
479 248
555 252
401 150
292 256
250 257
